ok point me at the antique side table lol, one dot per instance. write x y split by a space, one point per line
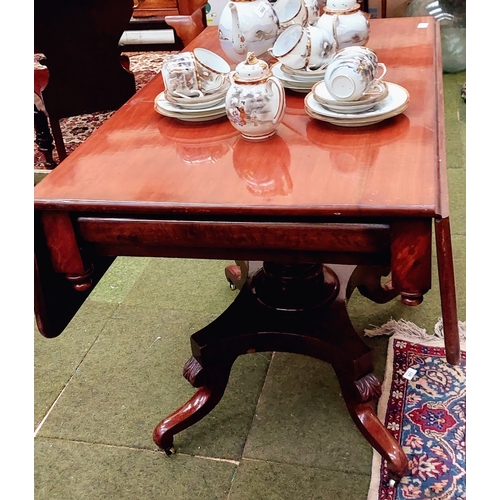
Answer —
325 208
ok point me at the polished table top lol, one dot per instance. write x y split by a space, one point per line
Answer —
142 162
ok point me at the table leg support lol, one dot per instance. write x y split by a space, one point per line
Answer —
447 290
363 413
411 249
199 405
304 315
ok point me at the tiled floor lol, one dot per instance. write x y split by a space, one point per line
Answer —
281 430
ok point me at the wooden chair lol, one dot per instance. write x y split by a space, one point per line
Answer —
85 71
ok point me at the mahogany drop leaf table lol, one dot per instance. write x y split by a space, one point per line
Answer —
307 215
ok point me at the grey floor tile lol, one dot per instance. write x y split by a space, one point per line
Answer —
457 191
57 359
302 419
454 109
119 279
258 480
67 470
203 284
132 379
459 246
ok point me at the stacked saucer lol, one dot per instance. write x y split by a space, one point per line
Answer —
298 80
378 92
384 100
192 109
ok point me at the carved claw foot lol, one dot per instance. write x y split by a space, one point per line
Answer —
198 406
380 438
361 405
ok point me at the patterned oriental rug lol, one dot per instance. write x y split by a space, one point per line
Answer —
423 405
76 129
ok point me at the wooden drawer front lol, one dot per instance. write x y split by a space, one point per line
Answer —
359 238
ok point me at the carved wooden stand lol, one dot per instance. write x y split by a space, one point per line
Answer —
290 308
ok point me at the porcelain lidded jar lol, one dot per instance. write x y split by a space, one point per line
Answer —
247 26
348 24
255 101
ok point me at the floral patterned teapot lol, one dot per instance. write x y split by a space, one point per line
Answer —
247 26
255 101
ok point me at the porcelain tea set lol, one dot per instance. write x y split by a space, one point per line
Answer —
320 49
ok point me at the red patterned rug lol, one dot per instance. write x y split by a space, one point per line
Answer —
76 129
423 406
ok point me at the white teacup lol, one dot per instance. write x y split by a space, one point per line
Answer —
195 74
291 12
348 78
304 48
357 51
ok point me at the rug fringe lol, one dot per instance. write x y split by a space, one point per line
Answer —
403 327
438 330
407 329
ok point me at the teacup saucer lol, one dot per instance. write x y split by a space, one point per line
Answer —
395 103
302 74
322 95
209 112
378 92
288 83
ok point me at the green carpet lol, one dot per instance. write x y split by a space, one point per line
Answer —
281 430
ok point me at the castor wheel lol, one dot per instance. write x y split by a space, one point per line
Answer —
169 451
232 286
393 483
165 443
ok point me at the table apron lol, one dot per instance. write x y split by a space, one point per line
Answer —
164 236
403 244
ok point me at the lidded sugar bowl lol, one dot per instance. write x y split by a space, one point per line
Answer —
255 101
346 22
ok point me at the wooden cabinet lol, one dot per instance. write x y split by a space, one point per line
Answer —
150 8
186 17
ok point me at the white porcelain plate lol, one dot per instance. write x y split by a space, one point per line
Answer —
395 103
165 108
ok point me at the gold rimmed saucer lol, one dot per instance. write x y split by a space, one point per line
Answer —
302 74
210 112
296 85
377 93
396 102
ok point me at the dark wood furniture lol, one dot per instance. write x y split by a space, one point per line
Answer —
186 17
364 201
85 70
